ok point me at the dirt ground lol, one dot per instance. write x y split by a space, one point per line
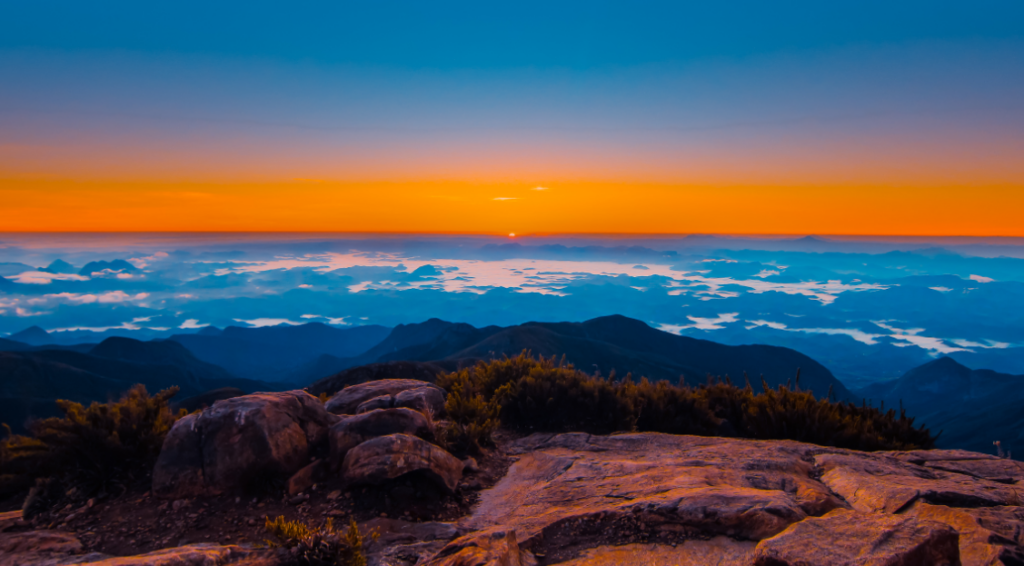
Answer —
136 522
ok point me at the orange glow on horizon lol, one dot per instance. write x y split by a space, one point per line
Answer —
507 207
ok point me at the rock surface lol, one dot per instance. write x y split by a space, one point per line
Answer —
395 455
852 538
658 499
352 431
427 400
240 440
188 555
347 401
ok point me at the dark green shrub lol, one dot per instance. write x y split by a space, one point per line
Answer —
318 546
96 449
472 414
539 395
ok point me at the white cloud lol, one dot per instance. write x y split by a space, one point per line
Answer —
261 322
858 335
192 324
981 279
912 336
541 189
701 323
44 278
141 262
506 198
941 289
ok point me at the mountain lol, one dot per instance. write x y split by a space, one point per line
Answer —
972 408
13 268
59 266
30 381
118 265
280 353
12 345
33 336
605 344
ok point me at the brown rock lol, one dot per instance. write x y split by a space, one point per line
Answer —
350 432
9 519
346 401
490 548
389 457
989 536
382 402
852 538
720 551
984 466
306 477
744 489
240 440
202 554
38 548
879 483
427 400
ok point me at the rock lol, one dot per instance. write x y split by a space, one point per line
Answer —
427 400
423 372
382 402
880 483
37 547
397 531
240 440
469 465
720 551
853 538
388 457
982 466
346 401
201 554
717 486
350 432
989 536
491 548
306 477
9 519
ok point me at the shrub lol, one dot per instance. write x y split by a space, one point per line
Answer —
95 448
530 395
319 546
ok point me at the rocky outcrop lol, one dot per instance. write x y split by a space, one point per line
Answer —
37 547
239 440
388 457
348 400
189 555
663 499
852 538
427 400
352 431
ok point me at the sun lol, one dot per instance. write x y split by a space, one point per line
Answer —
512 235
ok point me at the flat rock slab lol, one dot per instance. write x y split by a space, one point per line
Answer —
719 551
982 466
581 483
852 538
188 555
348 400
989 536
881 483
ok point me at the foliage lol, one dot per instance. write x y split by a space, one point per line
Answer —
529 395
95 448
319 546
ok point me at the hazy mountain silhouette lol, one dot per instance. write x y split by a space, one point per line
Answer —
30 381
280 353
972 408
605 344
59 266
33 336
116 265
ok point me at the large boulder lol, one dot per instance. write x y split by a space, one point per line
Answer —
424 372
348 400
852 538
350 432
389 457
241 440
427 400
989 536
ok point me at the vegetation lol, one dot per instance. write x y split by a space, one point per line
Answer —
527 394
318 546
94 449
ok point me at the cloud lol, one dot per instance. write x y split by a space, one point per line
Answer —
110 297
141 262
192 324
506 198
541 189
981 279
260 322
701 323
858 335
44 278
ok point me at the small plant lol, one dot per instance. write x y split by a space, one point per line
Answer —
319 546
95 449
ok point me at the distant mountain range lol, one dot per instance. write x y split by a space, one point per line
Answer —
606 344
31 379
972 408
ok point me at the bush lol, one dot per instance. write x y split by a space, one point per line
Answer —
95 449
529 395
319 546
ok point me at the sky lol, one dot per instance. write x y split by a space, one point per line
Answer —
525 118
